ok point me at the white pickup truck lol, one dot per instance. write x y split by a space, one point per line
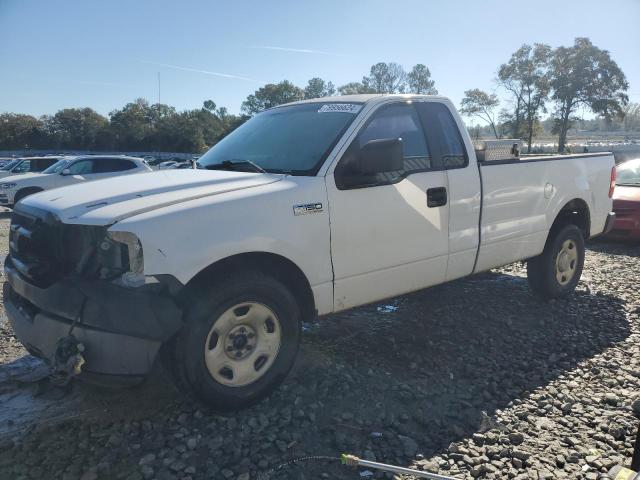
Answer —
306 209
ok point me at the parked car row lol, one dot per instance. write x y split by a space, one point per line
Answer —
27 164
27 175
24 177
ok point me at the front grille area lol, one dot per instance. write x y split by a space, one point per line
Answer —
43 249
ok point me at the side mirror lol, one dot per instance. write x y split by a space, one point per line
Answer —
66 171
380 156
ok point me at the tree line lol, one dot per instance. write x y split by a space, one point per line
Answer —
138 126
142 126
537 79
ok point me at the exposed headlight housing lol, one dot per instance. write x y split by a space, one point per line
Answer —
134 277
7 185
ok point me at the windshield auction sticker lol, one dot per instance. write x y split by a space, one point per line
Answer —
340 108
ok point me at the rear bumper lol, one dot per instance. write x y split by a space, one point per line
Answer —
122 329
625 227
608 224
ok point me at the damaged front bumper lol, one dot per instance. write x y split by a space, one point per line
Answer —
122 329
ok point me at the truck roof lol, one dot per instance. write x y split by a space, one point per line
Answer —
364 98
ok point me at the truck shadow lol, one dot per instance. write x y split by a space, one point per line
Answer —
436 365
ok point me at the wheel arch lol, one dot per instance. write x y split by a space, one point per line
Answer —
576 212
278 266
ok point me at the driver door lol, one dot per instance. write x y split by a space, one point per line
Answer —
389 234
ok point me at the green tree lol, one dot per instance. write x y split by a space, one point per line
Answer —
419 81
76 128
526 77
227 122
209 105
386 78
271 95
18 131
585 75
354 88
477 103
188 131
631 121
134 127
317 88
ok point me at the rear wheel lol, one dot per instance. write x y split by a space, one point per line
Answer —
557 271
240 339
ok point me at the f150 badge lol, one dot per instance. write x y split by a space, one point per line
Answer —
307 208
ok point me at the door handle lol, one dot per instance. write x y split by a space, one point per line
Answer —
436 197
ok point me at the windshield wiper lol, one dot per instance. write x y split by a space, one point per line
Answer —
627 184
232 164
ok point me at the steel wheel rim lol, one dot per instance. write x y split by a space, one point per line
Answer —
242 344
566 262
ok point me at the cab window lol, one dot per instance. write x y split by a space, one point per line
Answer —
443 132
398 121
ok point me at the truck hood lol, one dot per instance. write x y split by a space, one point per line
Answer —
108 201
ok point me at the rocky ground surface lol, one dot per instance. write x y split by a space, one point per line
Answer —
474 379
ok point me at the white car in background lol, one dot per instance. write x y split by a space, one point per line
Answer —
167 165
67 171
27 165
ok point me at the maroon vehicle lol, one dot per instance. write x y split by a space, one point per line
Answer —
626 202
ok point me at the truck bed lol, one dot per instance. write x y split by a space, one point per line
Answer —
528 158
522 197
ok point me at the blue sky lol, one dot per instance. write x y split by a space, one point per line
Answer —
102 54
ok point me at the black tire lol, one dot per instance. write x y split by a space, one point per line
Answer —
186 354
25 192
543 272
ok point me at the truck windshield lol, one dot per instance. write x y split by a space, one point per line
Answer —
294 139
56 167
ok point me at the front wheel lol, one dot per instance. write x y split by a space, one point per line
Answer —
556 272
240 340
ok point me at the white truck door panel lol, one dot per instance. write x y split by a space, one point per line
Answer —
464 217
443 135
385 239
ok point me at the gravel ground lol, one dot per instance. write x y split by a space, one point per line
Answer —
473 379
